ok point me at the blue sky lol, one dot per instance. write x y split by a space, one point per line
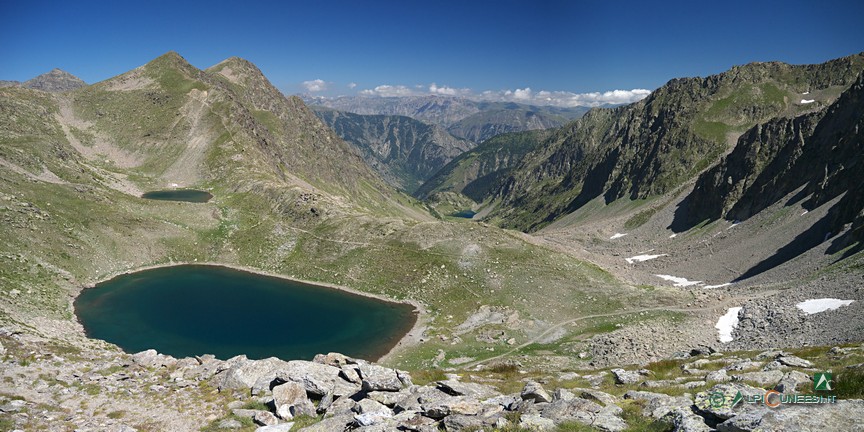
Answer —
404 47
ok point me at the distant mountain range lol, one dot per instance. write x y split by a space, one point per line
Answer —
54 81
464 118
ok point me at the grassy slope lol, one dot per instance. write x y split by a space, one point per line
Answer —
79 229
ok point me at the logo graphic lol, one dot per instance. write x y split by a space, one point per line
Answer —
822 381
717 399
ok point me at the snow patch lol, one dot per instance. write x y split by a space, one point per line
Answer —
805 93
617 235
718 286
806 101
679 281
805 212
727 323
814 306
640 258
673 235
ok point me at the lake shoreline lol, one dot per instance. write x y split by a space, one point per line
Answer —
411 337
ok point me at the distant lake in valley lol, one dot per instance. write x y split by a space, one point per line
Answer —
188 195
190 310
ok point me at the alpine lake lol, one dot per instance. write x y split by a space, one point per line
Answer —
187 195
189 310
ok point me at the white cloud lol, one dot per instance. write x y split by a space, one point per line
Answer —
448 91
524 95
315 85
386 90
351 85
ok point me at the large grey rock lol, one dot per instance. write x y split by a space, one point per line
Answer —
150 358
763 378
316 378
685 420
744 365
459 422
576 409
334 359
604 399
457 388
642 395
291 400
718 376
790 360
389 399
534 391
244 373
791 381
379 378
265 418
367 406
626 377
609 420
844 416
659 407
331 424
534 422
372 418
441 408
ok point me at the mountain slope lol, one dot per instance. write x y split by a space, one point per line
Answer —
476 172
653 146
403 150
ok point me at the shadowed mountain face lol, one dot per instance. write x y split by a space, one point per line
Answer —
477 172
55 81
820 153
656 145
404 151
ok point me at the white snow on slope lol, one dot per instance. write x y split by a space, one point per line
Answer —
640 258
673 235
718 286
727 323
806 101
679 281
814 306
617 235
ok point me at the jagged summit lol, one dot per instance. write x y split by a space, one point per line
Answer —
55 81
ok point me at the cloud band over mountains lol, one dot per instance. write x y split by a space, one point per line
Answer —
524 96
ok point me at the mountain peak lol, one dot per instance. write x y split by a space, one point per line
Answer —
237 70
57 80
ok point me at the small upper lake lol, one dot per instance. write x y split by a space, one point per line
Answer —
192 310
188 195
467 214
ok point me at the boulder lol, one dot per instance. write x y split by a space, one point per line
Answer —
534 422
290 400
459 422
316 378
379 378
372 418
349 373
718 376
265 418
843 416
534 391
457 388
685 420
244 373
335 423
763 378
604 399
792 361
626 377
334 359
368 406
576 409
659 407
791 381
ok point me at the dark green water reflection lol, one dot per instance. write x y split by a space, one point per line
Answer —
188 195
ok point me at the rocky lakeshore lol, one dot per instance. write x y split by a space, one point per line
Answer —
49 387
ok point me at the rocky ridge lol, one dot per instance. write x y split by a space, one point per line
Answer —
54 81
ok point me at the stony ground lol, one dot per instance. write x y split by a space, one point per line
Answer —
51 387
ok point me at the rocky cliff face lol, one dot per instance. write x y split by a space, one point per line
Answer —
655 145
820 153
500 118
406 152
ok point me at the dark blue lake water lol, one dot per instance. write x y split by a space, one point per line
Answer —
194 309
